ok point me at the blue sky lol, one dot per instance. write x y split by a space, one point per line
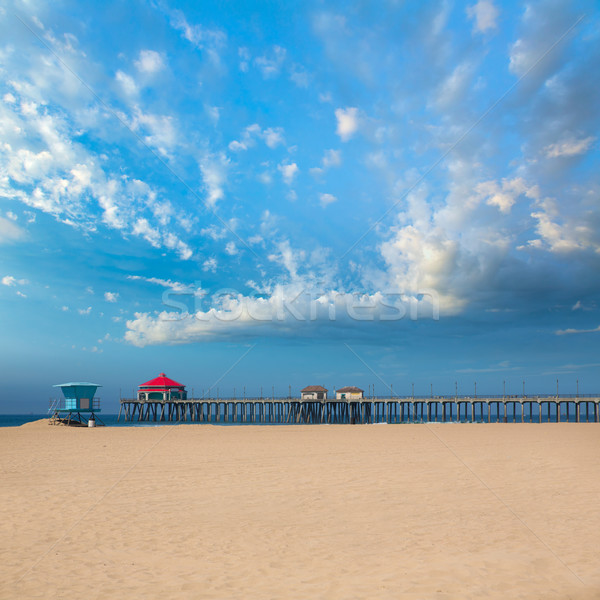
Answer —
273 194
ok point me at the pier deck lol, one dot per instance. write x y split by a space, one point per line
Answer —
488 409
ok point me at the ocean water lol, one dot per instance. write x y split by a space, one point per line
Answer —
109 420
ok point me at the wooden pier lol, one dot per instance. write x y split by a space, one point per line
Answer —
436 409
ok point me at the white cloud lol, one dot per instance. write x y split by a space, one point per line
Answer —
347 122
454 87
572 331
166 283
215 233
214 171
171 241
127 83
564 231
484 14
49 170
210 40
231 248
21 294
111 296
272 136
11 281
453 248
150 62
65 309
300 77
158 131
143 228
244 55
210 264
85 311
270 66
9 231
331 158
288 171
503 195
327 199
298 306
569 147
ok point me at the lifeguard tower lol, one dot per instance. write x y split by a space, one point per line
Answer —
78 405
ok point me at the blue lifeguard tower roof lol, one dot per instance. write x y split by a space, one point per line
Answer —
73 383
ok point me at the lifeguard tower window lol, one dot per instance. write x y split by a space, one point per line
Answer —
84 404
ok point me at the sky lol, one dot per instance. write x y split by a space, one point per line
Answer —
261 196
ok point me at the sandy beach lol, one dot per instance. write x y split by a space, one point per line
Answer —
376 511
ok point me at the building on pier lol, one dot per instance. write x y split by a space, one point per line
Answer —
350 393
161 389
313 392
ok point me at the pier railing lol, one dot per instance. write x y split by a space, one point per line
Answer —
376 409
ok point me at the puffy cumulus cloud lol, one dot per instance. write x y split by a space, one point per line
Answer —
420 261
150 62
569 147
288 171
111 296
484 15
504 194
214 174
473 248
568 229
456 248
347 122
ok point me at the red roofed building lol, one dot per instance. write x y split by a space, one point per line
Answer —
162 388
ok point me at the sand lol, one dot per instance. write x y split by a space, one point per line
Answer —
375 511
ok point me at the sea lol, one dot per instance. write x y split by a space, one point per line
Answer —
108 420
111 420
